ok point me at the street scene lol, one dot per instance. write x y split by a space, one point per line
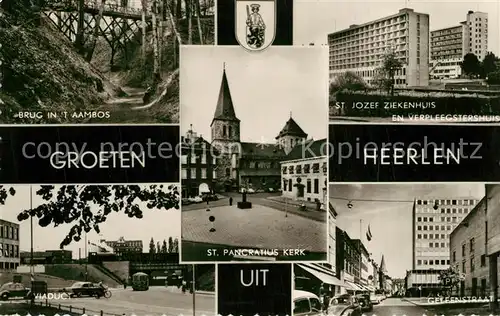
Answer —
407 249
406 62
110 270
252 194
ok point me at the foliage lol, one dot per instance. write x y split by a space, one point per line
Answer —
471 65
384 78
88 206
348 81
489 64
449 278
494 78
152 247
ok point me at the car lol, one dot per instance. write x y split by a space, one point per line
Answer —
243 190
306 304
365 302
271 190
260 191
381 297
250 191
14 290
344 305
210 197
196 199
80 289
375 298
186 201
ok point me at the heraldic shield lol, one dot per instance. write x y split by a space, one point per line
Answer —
255 23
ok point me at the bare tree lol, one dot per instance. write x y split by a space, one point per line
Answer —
173 23
95 32
156 62
189 14
198 16
143 28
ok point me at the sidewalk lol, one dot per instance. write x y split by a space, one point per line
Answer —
434 301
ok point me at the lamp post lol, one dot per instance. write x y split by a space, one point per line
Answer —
194 290
86 259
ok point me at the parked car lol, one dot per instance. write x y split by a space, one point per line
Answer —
80 289
186 201
250 191
365 302
196 199
306 304
271 190
344 305
381 296
260 191
14 290
210 197
375 298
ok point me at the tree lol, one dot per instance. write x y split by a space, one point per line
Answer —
198 20
470 65
489 64
175 248
386 73
152 247
189 14
170 245
88 206
95 32
156 48
158 247
348 81
494 78
450 278
143 28
164 248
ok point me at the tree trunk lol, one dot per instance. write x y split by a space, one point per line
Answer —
143 30
189 15
178 10
198 14
174 27
96 31
159 32
156 62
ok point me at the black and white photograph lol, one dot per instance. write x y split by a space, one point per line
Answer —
97 250
254 289
253 163
408 249
96 61
408 61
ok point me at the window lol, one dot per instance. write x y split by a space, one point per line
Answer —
308 185
290 187
419 219
290 169
483 260
284 170
1 250
419 227
472 264
214 160
193 158
419 236
193 173
307 168
463 250
298 169
203 173
316 186
419 262
184 159
431 244
315 305
184 173
316 168
471 246
228 172
204 158
463 267
454 256
224 131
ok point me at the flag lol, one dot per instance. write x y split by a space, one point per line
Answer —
369 235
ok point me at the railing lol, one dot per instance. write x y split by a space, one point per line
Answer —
73 309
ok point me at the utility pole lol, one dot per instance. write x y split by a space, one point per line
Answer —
32 270
86 259
194 290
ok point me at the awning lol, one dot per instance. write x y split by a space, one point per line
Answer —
325 278
370 288
355 287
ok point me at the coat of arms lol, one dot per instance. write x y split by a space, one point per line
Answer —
255 23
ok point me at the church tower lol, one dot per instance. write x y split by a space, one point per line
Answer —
291 135
225 129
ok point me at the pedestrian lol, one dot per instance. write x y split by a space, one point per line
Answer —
230 201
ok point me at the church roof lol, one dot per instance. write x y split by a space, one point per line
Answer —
308 150
262 150
291 128
224 109
382 265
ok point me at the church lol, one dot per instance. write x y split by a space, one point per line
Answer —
248 164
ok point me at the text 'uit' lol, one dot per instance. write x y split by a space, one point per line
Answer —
256 277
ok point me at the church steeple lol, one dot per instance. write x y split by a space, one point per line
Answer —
383 268
225 109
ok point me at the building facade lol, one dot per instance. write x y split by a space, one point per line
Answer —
361 48
254 165
198 165
364 262
332 233
122 246
348 258
9 245
304 173
451 44
47 257
433 221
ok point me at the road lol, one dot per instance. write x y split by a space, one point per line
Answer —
155 301
397 307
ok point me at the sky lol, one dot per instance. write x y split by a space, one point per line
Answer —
314 19
390 220
159 224
265 87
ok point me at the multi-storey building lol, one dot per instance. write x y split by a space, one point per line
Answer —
433 221
348 259
9 245
332 232
121 245
304 173
361 48
198 165
47 257
364 262
451 44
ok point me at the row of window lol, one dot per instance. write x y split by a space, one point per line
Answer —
193 158
374 26
9 232
432 236
432 262
288 186
9 251
299 169
472 264
435 227
465 202
442 218
439 245
194 175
